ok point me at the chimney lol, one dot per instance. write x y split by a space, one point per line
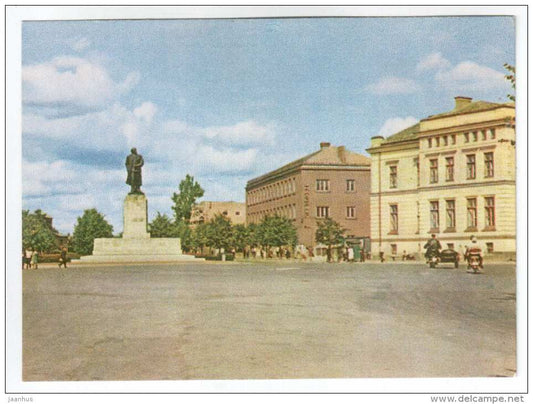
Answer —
376 141
341 152
461 102
324 145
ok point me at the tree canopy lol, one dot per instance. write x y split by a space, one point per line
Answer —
37 232
329 233
162 226
512 78
189 191
89 226
276 231
219 232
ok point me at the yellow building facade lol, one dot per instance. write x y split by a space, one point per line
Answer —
451 174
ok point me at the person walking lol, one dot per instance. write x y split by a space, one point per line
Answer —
63 258
34 260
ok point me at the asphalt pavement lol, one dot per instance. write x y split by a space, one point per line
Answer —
267 320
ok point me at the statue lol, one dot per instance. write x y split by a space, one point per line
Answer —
134 162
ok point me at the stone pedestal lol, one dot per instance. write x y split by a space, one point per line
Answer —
135 245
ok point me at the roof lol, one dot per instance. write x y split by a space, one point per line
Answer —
331 155
476 106
410 133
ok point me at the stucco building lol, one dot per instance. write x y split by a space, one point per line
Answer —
452 174
206 210
331 182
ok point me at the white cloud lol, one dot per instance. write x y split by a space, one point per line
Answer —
225 149
470 76
145 112
246 133
433 61
75 81
242 133
113 128
81 44
395 125
225 160
393 85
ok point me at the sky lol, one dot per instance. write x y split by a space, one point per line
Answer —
228 100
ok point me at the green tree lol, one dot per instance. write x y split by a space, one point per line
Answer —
329 233
512 78
219 233
183 231
162 226
37 232
89 226
199 236
189 192
276 231
254 234
241 236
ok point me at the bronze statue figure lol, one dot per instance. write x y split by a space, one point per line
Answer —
134 162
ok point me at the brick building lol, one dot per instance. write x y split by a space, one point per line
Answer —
206 210
331 182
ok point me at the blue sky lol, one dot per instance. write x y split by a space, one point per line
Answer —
227 100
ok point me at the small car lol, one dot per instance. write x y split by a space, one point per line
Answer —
449 255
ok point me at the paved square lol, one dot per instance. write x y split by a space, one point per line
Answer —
267 320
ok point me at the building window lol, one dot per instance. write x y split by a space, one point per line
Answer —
237 213
490 248
449 168
437 141
322 185
450 214
429 142
445 140
493 133
489 164
450 246
394 219
483 135
471 206
490 217
350 212
453 139
350 185
322 211
394 249
466 137
393 176
470 166
474 136
433 171
434 215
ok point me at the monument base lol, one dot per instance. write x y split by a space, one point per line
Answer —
110 250
135 245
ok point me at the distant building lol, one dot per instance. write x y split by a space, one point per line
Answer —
331 182
205 211
452 174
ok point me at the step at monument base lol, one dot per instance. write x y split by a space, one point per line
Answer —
111 250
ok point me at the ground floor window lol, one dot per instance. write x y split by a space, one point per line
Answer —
490 217
394 249
394 219
434 214
471 205
490 247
